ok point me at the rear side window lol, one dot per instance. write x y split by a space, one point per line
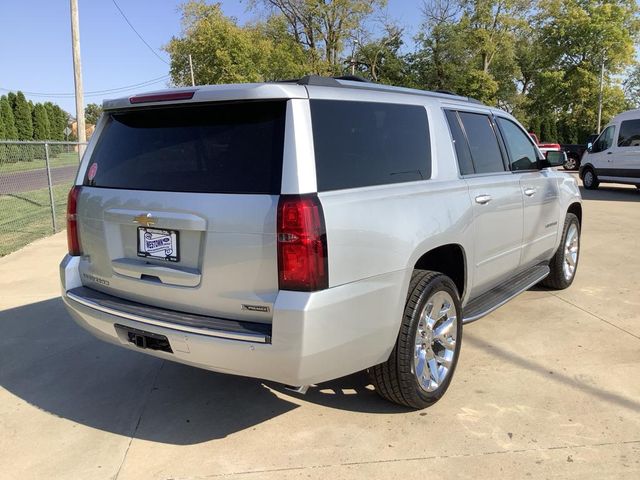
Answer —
629 135
360 144
522 153
460 143
482 142
223 148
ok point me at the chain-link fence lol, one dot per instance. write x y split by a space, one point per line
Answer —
35 178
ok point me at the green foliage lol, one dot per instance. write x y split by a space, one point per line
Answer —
22 114
41 126
9 124
223 52
92 113
322 27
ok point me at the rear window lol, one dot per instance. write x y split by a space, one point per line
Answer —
223 148
359 144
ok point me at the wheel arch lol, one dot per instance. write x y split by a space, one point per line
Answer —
576 209
449 259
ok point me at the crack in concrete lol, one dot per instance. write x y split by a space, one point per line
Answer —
596 316
410 459
142 410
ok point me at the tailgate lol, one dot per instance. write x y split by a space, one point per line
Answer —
178 208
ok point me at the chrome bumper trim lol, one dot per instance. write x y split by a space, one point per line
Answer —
245 337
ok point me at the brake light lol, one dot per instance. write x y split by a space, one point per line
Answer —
162 97
73 242
302 244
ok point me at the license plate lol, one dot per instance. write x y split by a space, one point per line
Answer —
158 243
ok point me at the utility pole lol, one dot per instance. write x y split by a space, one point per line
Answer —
77 74
353 56
600 95
193 82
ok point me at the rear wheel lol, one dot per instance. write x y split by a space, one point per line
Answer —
421 365
589 179
564 263
571 163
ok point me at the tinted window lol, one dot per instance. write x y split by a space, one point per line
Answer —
359 144
522 153
605 140
629 135
225 148
485 151
460 143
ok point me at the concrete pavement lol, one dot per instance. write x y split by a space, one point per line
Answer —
547 386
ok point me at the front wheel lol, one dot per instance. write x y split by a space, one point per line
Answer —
421 365
589 179
564 263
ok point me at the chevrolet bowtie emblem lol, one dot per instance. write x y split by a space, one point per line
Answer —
145 219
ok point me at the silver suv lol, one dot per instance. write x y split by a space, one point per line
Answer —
301 231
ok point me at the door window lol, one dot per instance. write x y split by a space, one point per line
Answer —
522 153
629 135
483 143
605 140
460 143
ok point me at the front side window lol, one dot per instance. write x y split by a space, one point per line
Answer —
360 144
605 140
629 135
483 142
522 153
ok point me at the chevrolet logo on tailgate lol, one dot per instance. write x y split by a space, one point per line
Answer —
145 219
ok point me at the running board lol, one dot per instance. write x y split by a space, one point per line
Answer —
498 296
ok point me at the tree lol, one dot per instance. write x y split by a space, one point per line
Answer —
10 131
380 60
22 114
41 126
92 113
223 52
322 27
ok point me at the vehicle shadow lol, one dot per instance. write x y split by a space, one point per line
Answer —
623 193
51 363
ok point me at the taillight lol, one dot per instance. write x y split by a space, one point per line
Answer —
302 244
73 241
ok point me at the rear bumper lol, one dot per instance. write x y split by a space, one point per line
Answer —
314 336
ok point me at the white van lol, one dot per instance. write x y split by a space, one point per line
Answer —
615 155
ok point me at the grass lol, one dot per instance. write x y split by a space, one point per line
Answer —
61 160
25 217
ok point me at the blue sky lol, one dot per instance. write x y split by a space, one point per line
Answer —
35 44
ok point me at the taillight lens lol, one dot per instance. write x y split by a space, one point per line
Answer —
302 244
73 241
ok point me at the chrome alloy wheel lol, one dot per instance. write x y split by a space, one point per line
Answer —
435 341
571 248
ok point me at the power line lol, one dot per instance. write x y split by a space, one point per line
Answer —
153 50
94 93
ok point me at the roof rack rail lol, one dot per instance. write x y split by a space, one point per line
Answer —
447 92
352 78
318 80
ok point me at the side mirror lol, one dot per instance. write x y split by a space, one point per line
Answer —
589 146
556 159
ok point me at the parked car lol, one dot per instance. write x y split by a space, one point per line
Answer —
301 231
615 155
545 146
575 152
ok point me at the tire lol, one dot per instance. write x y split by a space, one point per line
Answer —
400 378
564 263
571 163
589 179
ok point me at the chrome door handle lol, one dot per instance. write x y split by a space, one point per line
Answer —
483 199
530 191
